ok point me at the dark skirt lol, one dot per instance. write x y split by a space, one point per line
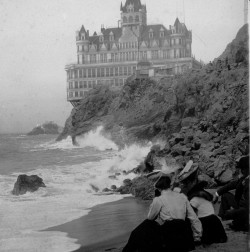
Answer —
149 236
213 230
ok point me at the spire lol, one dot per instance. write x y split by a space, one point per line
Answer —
121 7
82 30
136 3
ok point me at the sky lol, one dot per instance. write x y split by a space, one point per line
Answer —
37 40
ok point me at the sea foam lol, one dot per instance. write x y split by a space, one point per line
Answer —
70 192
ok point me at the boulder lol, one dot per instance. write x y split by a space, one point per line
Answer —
27 183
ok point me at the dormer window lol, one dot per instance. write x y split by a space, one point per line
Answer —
83 36
111 36
161 32
101 39
151 34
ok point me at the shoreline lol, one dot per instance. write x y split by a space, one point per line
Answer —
107 226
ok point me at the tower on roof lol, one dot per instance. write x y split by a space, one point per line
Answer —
133 13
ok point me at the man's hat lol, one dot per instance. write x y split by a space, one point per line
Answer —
188 170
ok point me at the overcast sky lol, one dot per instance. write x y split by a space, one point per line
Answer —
37 39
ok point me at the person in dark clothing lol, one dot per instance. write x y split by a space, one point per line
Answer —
236 207
165 228
201 201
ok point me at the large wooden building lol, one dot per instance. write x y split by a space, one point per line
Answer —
110 56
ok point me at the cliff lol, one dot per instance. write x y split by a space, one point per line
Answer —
201 115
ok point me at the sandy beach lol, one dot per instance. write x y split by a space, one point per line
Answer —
108 226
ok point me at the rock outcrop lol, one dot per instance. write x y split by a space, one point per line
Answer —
201 115
27 183
46 128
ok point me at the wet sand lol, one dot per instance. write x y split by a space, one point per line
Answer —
107 226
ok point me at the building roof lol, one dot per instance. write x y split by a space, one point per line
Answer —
82 30
136 3
156 29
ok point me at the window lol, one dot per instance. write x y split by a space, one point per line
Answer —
70 85
161 34
93 83
129 70
116 57
102 72
107 71
105 57
120 71
112 57
76 73
112 82
89 72
82 59
111 37
151 34
81 93
117 82
70 94
130 20
154 54
89 84
125 71
116 71
93 72
145 55
85 84
84 73
80 73
101 38
125 20
76 94
121 82
76 84
92 58
111 71
98 72
81 84
137 18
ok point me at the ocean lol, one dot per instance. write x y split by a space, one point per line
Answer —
74 177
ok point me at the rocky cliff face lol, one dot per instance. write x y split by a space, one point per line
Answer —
201 115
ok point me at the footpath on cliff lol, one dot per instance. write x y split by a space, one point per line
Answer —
202 115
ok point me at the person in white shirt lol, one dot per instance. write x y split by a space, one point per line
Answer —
165 226
201 201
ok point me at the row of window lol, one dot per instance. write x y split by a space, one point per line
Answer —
101 72
134 45
111 82
133 56
131 19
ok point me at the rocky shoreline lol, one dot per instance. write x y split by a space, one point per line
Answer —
201 116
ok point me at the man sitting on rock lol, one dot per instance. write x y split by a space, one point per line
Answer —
235 207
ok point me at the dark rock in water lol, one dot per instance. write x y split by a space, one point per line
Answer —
46 128
117 173
113 187
27 183
112 177
106 190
